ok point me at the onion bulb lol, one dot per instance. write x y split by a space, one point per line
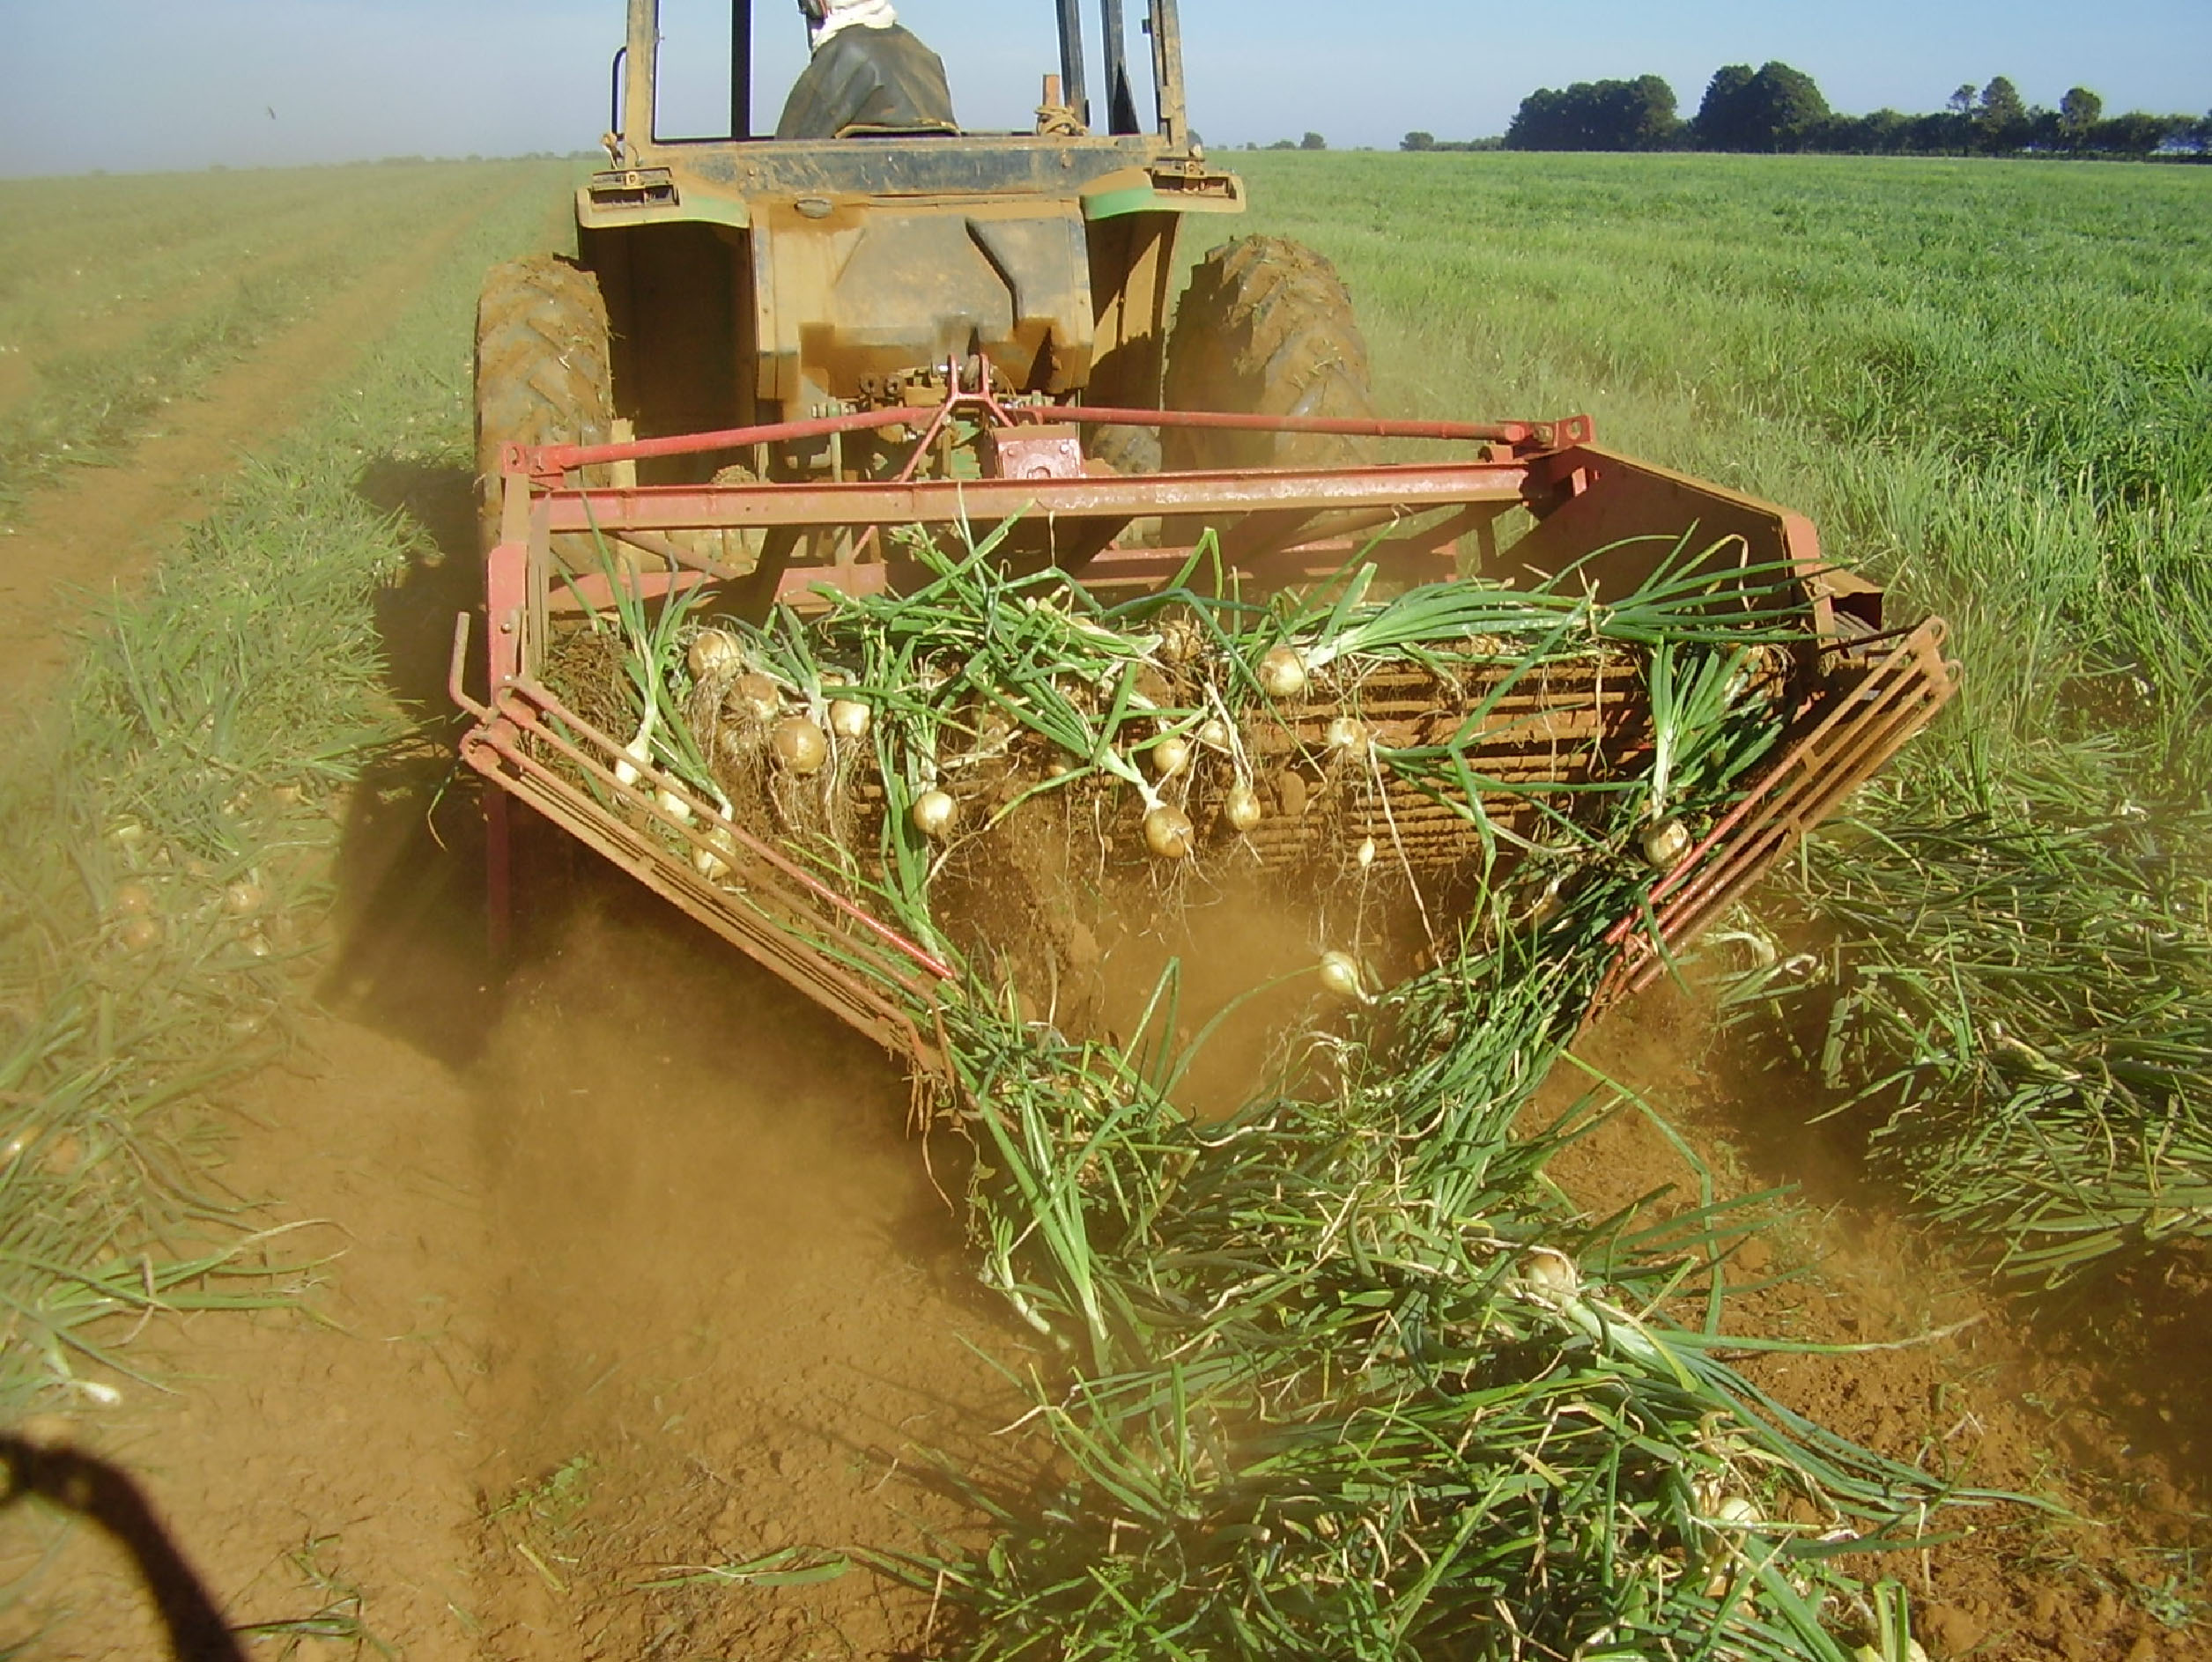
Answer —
713 652
849 718
1737 1513
799 744
1347 732
1282 672
1179 641
1548 1270
1241 807
1340 974
756 696
1169 757
712 862
1213 733
1366 852
932 814
1665 844
243 898
1168 831
141 934
131 900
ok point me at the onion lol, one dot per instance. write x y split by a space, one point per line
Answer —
1168 831
799 744
674 806
1665 844
1347 732
1241 807
713 652
849 718
1366 852
756 696
1548 1270
712 861
932 814
1738 1513
1169 757
1213 733
1282 672
243 898
1179 641
1340 974
132 900
141 934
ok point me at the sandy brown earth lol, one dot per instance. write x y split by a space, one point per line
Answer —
627 1266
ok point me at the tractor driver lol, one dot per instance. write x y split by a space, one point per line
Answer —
867 76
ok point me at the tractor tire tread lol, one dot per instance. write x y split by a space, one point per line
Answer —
543 368
1265 327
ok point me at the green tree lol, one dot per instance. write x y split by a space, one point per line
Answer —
2001 117
1418 141
1776 107
1638 114
2079 111
1718 123
1312 141
2134 133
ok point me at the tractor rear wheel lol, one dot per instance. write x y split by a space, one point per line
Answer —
1265 327
544 373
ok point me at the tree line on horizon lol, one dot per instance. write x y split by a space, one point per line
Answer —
1778 108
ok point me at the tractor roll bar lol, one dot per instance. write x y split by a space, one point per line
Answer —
636 68
1071 58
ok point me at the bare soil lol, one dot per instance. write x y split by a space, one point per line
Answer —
628 1266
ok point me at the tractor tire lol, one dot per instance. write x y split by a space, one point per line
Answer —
543 374
1265 327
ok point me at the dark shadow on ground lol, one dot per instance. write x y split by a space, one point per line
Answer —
412 958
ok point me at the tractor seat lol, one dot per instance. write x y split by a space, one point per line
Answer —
865 82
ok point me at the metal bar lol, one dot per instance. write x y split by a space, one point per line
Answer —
1071 58
1167 73
1511 432
552 459
741 69
1121 103
644 50
618 509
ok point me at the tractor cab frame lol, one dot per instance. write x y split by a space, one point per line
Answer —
749 279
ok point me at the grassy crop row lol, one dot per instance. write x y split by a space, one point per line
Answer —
166 838
1986 384
182 311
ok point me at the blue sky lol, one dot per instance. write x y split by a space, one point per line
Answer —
128 84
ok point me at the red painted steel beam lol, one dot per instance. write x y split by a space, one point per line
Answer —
545 461
1411 487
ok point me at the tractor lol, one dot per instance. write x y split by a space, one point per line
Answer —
780 372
